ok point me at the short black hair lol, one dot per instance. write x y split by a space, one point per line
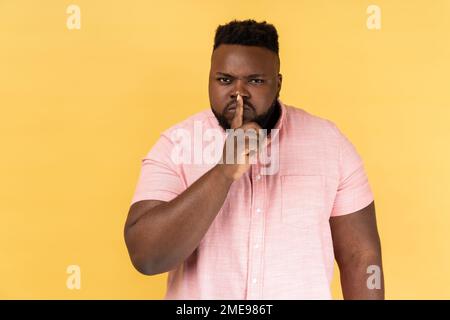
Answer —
247 33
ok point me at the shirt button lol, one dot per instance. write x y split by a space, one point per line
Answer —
258 177
254 280
258 210
256 246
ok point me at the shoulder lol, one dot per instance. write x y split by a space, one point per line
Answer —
204 119
300 121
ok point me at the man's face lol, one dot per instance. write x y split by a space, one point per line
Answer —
253 72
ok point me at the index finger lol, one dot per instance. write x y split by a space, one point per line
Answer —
237 120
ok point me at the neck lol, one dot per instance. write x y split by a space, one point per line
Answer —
273 118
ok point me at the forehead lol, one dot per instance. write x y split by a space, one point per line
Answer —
243 60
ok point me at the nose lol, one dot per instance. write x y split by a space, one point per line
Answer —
239 88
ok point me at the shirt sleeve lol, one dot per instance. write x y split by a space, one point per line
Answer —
354 192
159 178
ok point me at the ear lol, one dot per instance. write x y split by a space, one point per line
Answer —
280 80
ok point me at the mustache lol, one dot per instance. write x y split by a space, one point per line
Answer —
233 104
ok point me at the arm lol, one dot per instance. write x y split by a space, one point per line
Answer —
356 247
160 235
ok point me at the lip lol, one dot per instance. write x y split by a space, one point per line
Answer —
233 108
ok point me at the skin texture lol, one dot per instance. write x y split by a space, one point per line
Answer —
253 72
357 247
161 235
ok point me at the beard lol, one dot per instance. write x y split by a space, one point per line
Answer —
266 120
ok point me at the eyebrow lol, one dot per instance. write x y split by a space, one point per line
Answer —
254 75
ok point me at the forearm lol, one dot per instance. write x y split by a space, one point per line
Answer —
166 235
362 277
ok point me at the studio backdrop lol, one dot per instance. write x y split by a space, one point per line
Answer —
86 87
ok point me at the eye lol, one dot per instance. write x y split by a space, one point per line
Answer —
257 81
224 80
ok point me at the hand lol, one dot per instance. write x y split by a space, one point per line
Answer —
234 168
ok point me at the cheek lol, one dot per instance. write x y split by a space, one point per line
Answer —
262 103
262 93
219 98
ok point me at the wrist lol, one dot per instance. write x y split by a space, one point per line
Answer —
220 171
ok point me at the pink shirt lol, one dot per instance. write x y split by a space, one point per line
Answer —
271 239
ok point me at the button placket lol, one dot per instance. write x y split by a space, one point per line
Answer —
257 238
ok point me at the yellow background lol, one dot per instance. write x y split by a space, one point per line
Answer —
80 108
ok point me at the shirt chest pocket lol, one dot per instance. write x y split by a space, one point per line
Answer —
303 200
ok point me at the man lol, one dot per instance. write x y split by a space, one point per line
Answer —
244 229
